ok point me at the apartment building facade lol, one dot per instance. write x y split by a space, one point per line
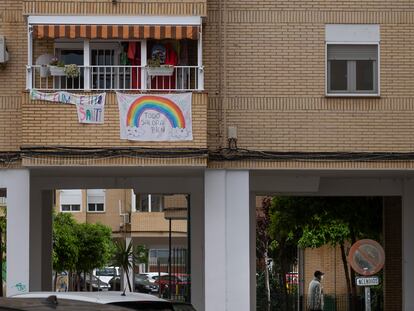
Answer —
286 97
143 219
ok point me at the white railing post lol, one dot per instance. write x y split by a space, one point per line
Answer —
86 65
143 64
200 69
29 68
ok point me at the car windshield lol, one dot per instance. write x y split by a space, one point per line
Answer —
141 277
145 305
106 272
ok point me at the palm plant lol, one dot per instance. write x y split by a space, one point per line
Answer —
125 257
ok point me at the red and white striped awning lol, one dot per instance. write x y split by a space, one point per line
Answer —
126 32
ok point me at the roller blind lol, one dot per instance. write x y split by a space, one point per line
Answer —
352 52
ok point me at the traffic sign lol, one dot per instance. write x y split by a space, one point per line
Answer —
367 281
366 257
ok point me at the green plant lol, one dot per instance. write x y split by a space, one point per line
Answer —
154 62
56 62
72 71
126 256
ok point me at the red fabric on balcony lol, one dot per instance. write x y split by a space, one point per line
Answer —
116 31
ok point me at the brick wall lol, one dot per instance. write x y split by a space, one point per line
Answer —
272 77
264 73
48 124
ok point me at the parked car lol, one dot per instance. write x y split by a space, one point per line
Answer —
52 303
106 274
141 285
97 284
134 301
153 276
180 284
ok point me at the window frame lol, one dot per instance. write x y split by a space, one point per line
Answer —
70 204
138 202
104 202
354 93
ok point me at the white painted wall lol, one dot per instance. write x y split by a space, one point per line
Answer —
17 183
408 246
227 240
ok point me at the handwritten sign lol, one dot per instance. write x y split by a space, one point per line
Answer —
150 117
90 108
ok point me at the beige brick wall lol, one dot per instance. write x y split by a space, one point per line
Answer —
264 73
144 224
48 124
124 7
272 77
12 74
327 259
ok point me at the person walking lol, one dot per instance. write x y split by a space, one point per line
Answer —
315 292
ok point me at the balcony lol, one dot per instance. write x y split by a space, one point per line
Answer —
136 53
125 78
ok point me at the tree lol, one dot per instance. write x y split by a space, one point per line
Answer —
339 220
95 247
284 232
65 243
315 221
263 241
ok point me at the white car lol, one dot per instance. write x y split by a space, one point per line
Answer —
106 274
153 276
134 301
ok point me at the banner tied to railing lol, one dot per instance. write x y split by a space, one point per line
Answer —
155 117
90 108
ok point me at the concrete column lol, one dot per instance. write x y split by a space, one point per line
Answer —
47 239
197 246
227 239
408 246
41 204
17 183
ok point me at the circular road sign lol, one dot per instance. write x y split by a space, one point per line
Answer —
366 257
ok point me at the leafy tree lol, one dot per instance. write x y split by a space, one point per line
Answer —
284 232
340 220
65 243
263 243
95 246
315 221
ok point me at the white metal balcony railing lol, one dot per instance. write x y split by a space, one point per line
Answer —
105 78
3 201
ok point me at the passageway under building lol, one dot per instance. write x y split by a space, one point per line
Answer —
222 212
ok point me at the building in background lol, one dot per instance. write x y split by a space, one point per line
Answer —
143 218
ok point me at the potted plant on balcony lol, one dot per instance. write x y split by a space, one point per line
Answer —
154 68
72 71
57 67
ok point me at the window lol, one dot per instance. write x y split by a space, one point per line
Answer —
150 203
70 200
352 69
96 200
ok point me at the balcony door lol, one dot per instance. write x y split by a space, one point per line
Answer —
105 73
69 53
